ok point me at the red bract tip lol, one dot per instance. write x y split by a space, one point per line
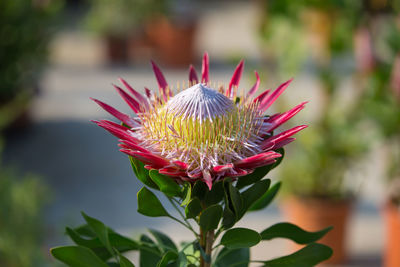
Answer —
237 74
205 69
193 75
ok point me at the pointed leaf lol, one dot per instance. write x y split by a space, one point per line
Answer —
228 218
232 257
168 258
308 256
254 193
200 190
100 229
240 238
166 184
216 194
292 232
163 240
150 255
124 262
187 194
193 208
209 218
266 199
77 256
253 177
85 230
182 260
235 200
149 205
85 242
120 243
142 173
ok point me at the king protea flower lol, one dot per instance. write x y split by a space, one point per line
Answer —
201 132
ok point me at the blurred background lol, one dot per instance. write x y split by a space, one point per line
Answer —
343 170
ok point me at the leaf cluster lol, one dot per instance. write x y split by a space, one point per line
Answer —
213 211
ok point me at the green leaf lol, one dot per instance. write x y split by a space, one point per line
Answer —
165 242
120 243
166 184
292 232
210 217
232 257
216 194
235 200
100 229
182 260
168 257
308 256
77 256
240 238
255 192
150 254
93 243
85 230
253 177
142 173
199 190
266 199
193 208
124 262
149 205
90 243
228 218
187 194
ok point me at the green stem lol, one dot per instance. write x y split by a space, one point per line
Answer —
186 223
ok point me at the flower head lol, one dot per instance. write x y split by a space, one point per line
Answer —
201 132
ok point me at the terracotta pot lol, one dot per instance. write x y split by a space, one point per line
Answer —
314 214
173 42
392 246
116 49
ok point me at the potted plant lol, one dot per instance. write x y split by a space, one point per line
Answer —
25 31
320 34
317 182
171 28
382 105
119 23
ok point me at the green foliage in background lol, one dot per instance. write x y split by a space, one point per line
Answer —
321 157
319 36
119 18
21 223
25 31
288 26
381 99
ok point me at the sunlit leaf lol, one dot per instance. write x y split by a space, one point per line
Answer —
308 256
77 256
149 205
240 238
292 232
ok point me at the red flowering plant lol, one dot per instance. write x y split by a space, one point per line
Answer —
208 150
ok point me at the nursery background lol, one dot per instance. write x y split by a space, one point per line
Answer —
344 57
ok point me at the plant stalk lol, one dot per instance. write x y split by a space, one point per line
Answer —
207 241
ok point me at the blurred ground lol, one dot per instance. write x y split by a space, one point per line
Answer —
82 164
